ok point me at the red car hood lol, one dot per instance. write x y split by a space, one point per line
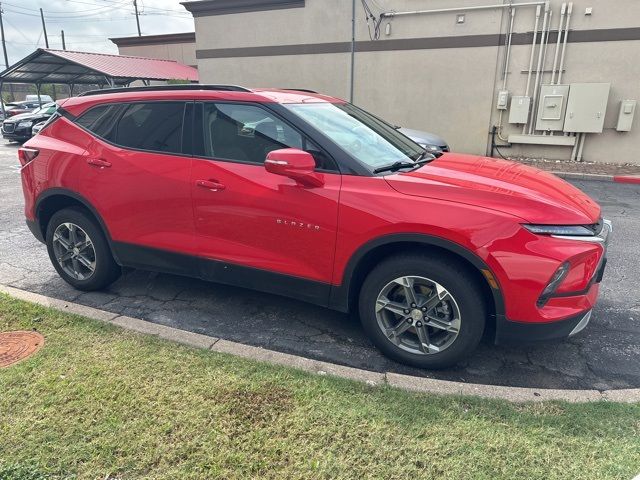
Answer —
509 187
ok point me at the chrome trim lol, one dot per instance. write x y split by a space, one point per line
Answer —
601 237
581 324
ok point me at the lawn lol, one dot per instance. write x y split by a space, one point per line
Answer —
99 402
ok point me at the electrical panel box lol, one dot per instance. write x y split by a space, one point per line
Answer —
519 111
586 107
503 100
552 107
625 117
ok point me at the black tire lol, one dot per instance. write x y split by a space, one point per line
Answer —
450 274
106 269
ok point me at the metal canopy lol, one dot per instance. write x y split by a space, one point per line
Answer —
75 68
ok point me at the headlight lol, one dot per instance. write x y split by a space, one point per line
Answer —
24 124
570 230
430 148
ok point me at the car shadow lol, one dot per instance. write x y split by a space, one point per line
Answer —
602 357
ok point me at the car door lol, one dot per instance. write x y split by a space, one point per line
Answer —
137 176
249 217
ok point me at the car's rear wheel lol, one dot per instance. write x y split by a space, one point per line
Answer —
423 311
79 250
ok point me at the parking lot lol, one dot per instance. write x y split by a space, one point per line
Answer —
606 355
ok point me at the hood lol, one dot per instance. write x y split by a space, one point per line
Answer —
509 187
21 116
423 137
26 116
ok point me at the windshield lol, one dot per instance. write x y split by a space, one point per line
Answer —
368 139
45 109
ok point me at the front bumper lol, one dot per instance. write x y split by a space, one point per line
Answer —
19 134
508 332
567 312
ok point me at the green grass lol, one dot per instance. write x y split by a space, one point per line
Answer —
101 402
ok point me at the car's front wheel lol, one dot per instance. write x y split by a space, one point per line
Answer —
79 250
423 311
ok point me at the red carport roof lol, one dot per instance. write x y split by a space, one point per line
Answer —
65 66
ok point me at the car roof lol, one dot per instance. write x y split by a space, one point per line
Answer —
197 92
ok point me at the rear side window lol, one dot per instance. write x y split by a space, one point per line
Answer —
101 120
153 126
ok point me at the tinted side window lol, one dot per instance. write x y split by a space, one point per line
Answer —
245 133
101 120
153 126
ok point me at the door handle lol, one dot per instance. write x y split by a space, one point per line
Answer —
210 185
98 162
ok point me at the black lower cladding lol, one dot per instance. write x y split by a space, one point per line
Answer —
508 331
35 229
146 258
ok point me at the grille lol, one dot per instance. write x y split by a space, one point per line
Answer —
8 127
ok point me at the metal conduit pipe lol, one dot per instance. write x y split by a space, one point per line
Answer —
574 151
581 147
506 71
533 52
537 81
564 44
461 9
544 61
508 56
563 12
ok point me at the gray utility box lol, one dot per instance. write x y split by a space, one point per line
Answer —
519 111
625 117
586 107
552 107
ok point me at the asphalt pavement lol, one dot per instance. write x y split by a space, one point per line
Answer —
605 356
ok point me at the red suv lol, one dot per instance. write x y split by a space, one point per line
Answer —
308 196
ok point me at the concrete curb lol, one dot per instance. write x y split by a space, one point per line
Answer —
405 382
597 177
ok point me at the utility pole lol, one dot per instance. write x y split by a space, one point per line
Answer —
44 29
64 46
4 45
135 5
6 61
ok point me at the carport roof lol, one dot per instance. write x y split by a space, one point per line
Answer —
68 67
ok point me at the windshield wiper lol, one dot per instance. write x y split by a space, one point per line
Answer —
399 165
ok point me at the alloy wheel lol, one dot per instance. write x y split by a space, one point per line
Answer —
74 251
418 315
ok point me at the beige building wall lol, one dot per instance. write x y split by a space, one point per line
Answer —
180 47
430 72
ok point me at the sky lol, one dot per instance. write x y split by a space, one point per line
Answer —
87 24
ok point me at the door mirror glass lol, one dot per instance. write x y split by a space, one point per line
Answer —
295 164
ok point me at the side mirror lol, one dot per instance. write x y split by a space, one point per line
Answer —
295 164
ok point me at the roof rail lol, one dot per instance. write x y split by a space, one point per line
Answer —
159 88
300 90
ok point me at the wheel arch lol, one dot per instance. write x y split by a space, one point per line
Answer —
344 296
55 199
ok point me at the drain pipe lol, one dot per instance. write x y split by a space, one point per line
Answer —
533 51
563 12
564 44
537 81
